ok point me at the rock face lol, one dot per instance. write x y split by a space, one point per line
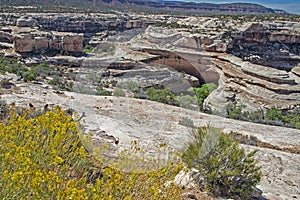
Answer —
296 71
65 32
274 45
178 50
240 80
252 85
69 42
23 44
72 43
258 32
93 23
5 37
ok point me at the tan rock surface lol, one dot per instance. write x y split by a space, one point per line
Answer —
72 43
23 43
41 43
253 85
35 40
296 70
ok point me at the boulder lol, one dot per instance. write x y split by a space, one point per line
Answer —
216 46
184 178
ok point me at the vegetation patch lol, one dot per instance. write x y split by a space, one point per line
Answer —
42 157
223 167
162 95
273 116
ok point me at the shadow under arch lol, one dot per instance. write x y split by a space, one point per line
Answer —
192 64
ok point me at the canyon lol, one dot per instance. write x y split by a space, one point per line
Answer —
253 61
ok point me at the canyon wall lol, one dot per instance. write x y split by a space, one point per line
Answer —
69 42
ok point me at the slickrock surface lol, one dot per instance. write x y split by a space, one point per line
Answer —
150 122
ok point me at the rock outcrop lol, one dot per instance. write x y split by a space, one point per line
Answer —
66 32
275 45
26 22
28 43
88 23
256 65
241 79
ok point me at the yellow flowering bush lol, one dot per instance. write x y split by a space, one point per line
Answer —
42 157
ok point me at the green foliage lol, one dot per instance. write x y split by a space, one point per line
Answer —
289 118
94 78
224 168
234 111
276 115
30 75
88 49
273 116
12 66
118 92
43 157
103 92
188 102
129 85
203 92
184 121
162 95
60 83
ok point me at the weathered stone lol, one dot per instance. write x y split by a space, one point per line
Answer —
69 42
41 43
216 46
151 122
72 43
296 70
26 22
256 193
23 43
6 37
185 179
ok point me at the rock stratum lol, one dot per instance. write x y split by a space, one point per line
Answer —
256 78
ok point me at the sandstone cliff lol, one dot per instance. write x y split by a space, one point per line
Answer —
28 43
